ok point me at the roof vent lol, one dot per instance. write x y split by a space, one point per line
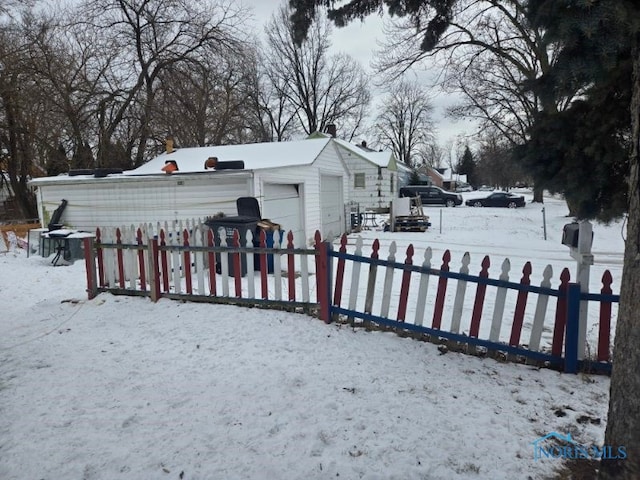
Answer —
170 166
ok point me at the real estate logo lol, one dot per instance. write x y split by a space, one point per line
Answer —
556 445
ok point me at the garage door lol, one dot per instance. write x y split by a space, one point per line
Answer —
331 206
282 204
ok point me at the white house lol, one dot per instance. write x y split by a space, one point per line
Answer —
300 185
374 176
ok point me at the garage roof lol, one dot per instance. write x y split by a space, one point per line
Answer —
254 155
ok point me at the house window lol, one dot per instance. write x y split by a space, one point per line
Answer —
391 182
358 180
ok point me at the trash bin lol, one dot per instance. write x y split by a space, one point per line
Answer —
269 229
240 223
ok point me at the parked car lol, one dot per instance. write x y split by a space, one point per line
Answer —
430 195
464 187
497 199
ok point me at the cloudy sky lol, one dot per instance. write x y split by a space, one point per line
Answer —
359 40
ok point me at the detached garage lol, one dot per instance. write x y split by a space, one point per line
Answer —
298 185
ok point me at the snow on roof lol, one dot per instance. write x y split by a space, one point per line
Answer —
254 155
382 159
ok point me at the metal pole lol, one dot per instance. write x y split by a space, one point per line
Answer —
544 223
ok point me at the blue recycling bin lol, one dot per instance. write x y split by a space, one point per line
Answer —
269 241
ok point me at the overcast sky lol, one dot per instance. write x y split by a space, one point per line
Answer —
359 40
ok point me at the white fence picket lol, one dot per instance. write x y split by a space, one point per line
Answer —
355 277
498 309
388 281
541 311
461 288
423 288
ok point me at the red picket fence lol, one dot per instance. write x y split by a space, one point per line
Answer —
541 308
187 263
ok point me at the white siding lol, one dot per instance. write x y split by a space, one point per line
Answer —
282 204
377 192
116 202
332 206
130 199
308 179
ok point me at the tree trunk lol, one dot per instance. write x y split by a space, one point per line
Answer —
623 424
537 195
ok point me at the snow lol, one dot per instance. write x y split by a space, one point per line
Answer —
120 387
254 155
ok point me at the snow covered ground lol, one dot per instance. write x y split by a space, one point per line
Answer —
122 388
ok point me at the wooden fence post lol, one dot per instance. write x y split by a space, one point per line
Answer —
90 263
604 327
154 267
573 326
322 278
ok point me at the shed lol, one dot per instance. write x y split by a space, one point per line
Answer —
298 184
374 176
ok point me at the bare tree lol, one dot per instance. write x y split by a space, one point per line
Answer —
206 102
151 38
26 124
405 124
489 53
322 89
432 154
274 116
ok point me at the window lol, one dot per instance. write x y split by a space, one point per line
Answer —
391 182
358 180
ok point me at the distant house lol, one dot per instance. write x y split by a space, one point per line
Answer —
300 185
374 176
443 177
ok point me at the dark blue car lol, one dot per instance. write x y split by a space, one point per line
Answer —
498 199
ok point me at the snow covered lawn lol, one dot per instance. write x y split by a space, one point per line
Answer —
122 388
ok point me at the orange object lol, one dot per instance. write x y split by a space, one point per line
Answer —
170 166
211 162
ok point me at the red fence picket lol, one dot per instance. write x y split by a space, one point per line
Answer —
337 296
479 300
442 290
212 264
164 262
186 265
521 304
404 288
121 277
604 329
561 314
